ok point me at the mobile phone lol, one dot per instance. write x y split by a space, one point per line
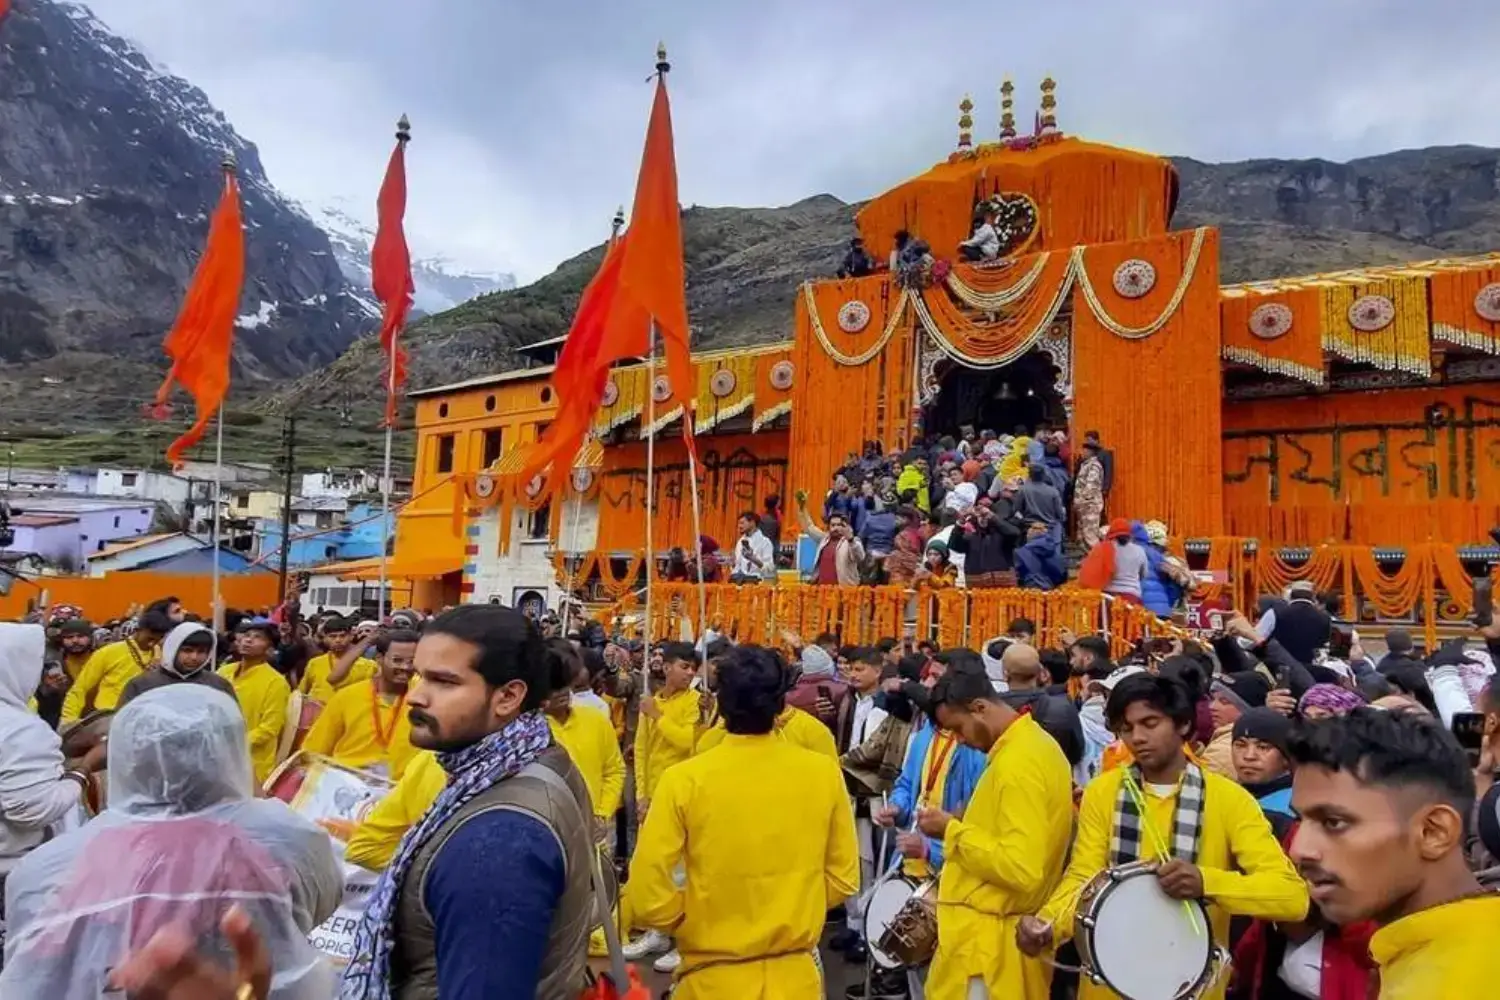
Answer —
1468 729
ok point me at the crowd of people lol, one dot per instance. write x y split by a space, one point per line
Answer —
1331 817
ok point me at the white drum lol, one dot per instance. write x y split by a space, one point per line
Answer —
880 910
1176 960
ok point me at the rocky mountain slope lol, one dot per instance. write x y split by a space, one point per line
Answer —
108 170
440 284
1278 217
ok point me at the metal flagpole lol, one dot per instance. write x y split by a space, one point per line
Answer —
217 612
698 546
403 136
385 507
650 489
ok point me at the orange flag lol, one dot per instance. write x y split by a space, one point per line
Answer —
202 339
641 281
390 272
4 8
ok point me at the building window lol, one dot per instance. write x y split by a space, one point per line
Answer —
127 478
541 522
100 547
493 442
445 453
329 551
489 404
324 519
242 501
117 520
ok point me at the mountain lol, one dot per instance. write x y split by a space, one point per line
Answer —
1278 217
440 284
108 171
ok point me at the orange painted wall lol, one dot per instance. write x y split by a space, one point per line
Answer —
110 596
1364 467
738 472
425 526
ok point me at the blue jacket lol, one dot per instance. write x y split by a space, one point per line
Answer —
963 777
1156 593
877 530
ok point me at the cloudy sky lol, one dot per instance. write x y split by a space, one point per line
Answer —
529 116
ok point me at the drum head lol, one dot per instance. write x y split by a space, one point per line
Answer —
1167 962
884 903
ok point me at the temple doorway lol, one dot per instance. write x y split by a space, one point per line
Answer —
1022 393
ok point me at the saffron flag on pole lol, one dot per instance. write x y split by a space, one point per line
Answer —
202 339
390 269
641 281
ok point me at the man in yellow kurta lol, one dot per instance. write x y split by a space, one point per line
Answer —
793 725
1383 798
373 842
1005 856
262 693
1234 863
344 663
666 730
765 835
588 736
103 678
364 725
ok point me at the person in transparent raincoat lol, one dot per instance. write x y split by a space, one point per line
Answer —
181 841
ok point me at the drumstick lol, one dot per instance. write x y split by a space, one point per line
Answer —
1163 851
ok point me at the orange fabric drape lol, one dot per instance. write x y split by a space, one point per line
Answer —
1364 467
736 474
1084 192
1001 332
1155 399
1454 318
201 341
1297 353
839 407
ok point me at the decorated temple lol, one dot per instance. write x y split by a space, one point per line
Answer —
1343 427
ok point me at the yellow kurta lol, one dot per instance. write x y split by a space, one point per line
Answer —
1002 861
793 725
314 681
1444 951
262 694
660 743
1245 871
378 835
589 738
345 731
104 677
765 834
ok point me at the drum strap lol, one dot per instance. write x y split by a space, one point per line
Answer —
1130 820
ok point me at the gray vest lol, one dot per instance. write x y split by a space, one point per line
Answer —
545 797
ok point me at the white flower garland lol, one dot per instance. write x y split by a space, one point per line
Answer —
1080 272
990 302
854 360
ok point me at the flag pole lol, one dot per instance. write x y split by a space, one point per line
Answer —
650 485
615 225
403 136
216 613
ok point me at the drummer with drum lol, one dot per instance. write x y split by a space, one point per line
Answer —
1166 852
365 725
1007 852
938 771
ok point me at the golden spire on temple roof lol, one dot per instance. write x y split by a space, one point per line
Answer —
1049 106
965 123
1007 109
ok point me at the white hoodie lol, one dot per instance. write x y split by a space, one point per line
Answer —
34 795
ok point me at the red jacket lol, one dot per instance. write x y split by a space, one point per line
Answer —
1349 972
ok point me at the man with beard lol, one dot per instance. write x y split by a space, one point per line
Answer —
1206 833
1383 797
65 661
489 896
365 724
110 668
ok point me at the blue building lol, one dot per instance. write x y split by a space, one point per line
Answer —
359 533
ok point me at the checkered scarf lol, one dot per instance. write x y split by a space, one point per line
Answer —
1187 820
470 771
